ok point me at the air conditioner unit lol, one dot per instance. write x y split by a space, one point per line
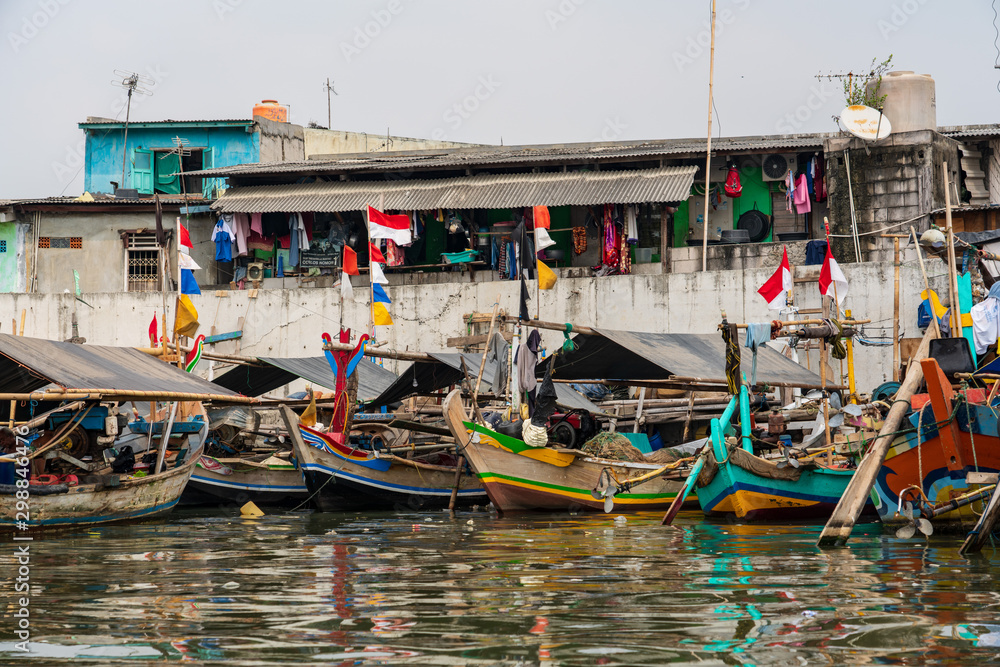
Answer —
255 271
776 166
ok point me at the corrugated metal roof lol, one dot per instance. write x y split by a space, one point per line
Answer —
258 380
28 364
531 154
72 201
666 184
962 131
108 122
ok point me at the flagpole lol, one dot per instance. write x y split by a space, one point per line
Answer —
180 291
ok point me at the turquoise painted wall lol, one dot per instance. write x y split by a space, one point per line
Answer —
230 146
8 259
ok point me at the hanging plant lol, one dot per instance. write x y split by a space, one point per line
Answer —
856 86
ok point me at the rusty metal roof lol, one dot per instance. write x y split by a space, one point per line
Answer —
401 162
968 131
666 184
28 364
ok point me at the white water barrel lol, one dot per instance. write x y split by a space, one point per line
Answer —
909 101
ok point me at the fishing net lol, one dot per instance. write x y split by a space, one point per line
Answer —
614 446
663 456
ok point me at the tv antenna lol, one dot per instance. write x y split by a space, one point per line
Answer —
134 83
328 87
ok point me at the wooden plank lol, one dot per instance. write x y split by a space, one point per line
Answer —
838 528
465 341
218 338
982 478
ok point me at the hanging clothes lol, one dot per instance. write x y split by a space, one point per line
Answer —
393 254
527 357
986 320
296 238
609 256
789 190
274 224
802 203
241 227
223 237
579 240
631 225
499 350
255 223
819 181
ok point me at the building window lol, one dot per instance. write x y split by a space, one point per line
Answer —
70 242
142 271
3 246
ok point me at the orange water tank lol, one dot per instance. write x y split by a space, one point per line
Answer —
271 110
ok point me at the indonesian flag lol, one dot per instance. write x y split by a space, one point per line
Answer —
395 227
832 282
775 290
375 254
185 237
378 276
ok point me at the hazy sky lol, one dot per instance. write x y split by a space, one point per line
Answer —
526 71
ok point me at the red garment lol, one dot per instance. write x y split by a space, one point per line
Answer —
393 254
257 242
307 222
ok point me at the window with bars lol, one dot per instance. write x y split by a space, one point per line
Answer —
3 246
142 263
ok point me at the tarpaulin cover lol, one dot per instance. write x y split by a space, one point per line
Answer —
258 380
424 377
28 364
629 355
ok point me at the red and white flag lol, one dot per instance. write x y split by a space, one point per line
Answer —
775 290
395 227
185 237
832 282
375 255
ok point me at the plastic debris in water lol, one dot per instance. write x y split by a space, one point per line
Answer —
250 510
620 519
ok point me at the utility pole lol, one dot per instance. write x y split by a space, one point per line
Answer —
329 89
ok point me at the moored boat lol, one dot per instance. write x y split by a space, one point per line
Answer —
519 477
273 481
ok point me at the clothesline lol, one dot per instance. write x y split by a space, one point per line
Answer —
887 227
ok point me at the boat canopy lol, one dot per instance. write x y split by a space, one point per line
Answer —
631 355
424 377
279 371
28 364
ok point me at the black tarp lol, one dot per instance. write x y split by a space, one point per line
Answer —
279 371
424 377
630 355
28 364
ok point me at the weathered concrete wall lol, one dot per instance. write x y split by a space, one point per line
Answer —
101 260
289 322
898 179
332 142
279 142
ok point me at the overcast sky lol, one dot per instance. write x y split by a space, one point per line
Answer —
520 71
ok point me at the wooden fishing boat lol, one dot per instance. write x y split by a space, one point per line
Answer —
519 477
942 465
100 496
342 477
273 481
735 483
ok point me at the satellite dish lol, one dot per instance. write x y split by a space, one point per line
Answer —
865 123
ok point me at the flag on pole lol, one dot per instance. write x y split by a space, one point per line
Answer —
194 356
775 290
185 241
546 276
395 227
188 284
184 261
374 254
380 314
541 216
378 277
186 320
350 261
346 289
832 281
154 336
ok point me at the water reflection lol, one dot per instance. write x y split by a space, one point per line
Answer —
424 588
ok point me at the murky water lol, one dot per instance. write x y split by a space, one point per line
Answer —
423 588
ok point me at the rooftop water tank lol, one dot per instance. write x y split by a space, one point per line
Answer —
271 110
909 101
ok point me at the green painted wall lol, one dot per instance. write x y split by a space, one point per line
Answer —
755 191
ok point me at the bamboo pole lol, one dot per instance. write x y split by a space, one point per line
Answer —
458 482
638 409
708 384
956 311
486 349
838 528
690 415
117 394
708 147
165 437
895 310
923 272
414 464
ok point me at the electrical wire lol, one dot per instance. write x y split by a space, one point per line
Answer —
996 39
